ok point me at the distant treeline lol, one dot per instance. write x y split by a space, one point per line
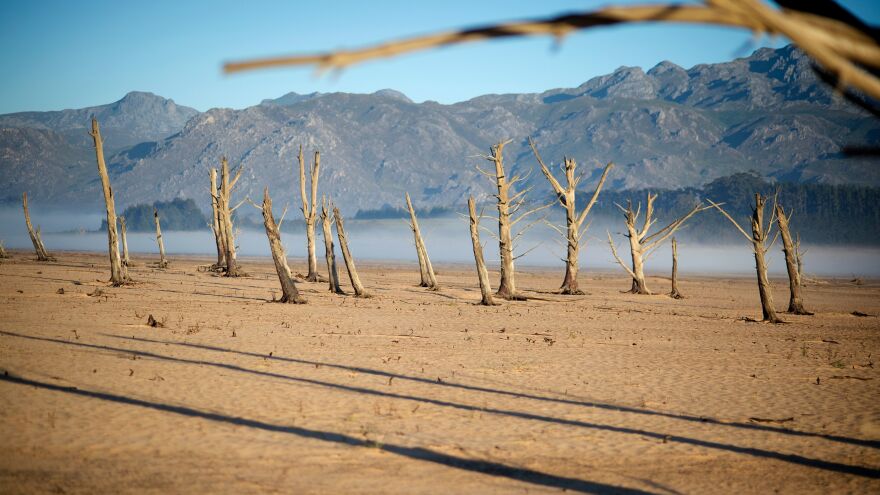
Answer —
178 214
388 211
822 213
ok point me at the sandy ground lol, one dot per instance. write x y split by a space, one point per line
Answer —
414 391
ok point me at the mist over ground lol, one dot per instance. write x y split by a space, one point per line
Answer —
448 241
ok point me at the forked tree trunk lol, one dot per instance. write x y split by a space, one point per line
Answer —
759 237
225 195
36 239
674 293
163 262
289 293
482 273
758 240
329 254
126 262
346 255
215 223
795 302
425 267
641 244
310 211
574 221
118 272
639 284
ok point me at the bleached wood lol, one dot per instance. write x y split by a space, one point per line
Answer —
118 272
356 285
36 238
163 261
329 254
482 273
426 270
289 292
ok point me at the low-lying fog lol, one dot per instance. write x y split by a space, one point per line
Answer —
448 240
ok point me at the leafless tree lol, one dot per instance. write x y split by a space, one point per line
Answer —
795 301
118 271
758 240
126 261
163 261
216 225
3 253
289 292
36 238
329 254
574 221
425 268
510 212
310 210
642 244
674 293
359 290
482 273
223 198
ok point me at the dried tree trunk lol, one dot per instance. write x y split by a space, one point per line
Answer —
641 244
482 273
36 239
118 272
507 285
329 255
795 302
215 224
425 267
574 221
346 255
224 198
289 292
126 262
163 262
674 293
758 239
3 253
310 211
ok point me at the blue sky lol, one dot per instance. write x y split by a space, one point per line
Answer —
62 54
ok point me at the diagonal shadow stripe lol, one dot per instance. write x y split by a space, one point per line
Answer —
522 395
755 452
479 466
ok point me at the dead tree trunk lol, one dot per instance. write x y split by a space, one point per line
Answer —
674 293
289 292
310 211
346 255
574 221
509 205
215 224
758 239
126 262
118 272
3 253
482 273
427 270
795 302
163 262
329 255
36 238
223 203
641 244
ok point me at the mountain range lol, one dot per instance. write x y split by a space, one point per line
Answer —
667 128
